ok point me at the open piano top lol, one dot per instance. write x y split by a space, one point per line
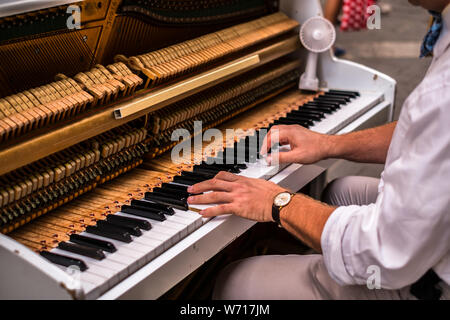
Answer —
87 178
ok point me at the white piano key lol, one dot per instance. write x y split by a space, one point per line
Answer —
88 281
136 252
192 218
92 278
170 231
161 238
179 224
106 272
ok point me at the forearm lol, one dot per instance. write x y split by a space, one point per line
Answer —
370 145
305 218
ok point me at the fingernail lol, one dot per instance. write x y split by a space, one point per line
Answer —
190 199
190 189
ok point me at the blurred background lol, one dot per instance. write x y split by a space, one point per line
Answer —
393 50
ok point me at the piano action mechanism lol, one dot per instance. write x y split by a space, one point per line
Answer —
86 123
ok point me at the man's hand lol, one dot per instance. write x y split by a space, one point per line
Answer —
306 146
242 196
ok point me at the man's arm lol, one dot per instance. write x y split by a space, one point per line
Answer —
370 145
251 198
305 218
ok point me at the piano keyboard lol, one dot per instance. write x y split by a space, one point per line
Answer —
140 225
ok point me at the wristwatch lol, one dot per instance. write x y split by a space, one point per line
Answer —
279 202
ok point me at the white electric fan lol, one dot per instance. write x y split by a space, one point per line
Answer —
317 35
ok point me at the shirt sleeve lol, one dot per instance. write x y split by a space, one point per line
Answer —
406 232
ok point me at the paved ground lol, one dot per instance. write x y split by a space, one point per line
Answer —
393 50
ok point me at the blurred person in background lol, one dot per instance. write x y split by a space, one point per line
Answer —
354 15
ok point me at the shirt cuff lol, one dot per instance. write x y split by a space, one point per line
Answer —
332 240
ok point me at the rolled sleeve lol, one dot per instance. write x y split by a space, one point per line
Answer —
333 245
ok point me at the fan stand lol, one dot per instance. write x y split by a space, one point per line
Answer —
317 35
309 80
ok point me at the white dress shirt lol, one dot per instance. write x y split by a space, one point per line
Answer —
407 231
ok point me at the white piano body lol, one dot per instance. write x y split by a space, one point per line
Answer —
26 275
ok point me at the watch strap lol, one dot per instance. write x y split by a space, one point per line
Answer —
277 209
276 214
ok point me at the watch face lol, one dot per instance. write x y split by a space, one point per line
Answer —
282 199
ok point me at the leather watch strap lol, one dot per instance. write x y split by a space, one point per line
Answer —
276 214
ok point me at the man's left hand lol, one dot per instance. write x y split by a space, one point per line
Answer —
245 197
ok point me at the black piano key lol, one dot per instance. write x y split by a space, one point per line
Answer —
134 231
234 167
241 166
345 92
173 186
327 100
164 199
328 104
176 193
141 204
83 250
309 112
63 260
289 122
129 222
337 96
332 100
164 209
340 95
303 116
204 170
199 175
298 119
144 213
94 243
221 166
325 110
109 233
170 195
187 181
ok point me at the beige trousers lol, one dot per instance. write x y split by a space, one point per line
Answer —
292 277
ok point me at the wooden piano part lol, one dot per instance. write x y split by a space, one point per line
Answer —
64 99
26 195
174 61
36 45
215 105
33 146
86 118
40 187
46 232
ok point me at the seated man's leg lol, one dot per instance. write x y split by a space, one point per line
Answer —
302 277
287 278
352 190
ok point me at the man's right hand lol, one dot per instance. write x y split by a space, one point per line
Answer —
306 146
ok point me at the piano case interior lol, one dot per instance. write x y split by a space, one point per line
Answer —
87 115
